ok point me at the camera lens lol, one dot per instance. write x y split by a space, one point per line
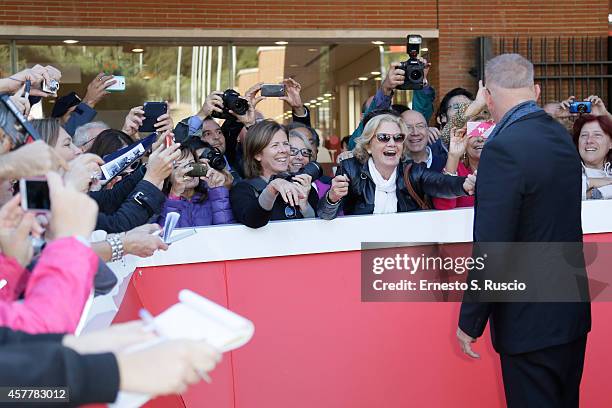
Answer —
581 108
416 75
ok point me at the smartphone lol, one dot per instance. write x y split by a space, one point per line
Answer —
199 170
580 107
35 194
118 86
274 90
153 110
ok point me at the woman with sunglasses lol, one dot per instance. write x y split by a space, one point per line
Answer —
269 191
373 181
463 158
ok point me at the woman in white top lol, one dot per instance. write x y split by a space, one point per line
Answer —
593 138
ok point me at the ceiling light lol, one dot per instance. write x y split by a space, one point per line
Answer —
375 73
327 95
319 104
320 98
424 49
363 78
146 77
71 41
281 43
313 101
313 49
378 79
307 104
325 101
378 42
137 50
293 66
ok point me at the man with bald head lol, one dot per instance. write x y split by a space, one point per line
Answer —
417 142
528 190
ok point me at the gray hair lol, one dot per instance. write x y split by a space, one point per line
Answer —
361 143
509 71
299 135
80 134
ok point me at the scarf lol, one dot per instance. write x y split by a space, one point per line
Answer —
514 114
385 199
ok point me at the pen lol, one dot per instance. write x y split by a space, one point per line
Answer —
148 320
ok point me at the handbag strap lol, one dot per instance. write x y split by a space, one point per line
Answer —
422 203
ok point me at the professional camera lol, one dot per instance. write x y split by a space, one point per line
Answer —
313 169
580 107
414 70
232 102
214 156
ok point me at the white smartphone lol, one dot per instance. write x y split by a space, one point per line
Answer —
118 86
35 195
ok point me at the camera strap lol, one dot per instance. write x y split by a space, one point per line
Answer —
421 202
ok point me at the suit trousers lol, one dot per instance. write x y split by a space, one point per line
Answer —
547 378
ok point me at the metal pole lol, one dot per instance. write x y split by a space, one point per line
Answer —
178 75
233 68
14 57
194 78
209 71
219 67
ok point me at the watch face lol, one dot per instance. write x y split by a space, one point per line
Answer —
290 212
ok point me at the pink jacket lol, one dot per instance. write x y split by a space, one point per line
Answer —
55 292
450 203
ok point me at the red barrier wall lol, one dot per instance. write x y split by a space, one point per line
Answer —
317 344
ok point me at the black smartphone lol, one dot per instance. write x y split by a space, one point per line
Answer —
35 194
153 110
273 90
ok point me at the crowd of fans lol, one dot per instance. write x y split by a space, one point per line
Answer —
252 170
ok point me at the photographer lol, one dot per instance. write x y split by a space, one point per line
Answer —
463 111
592 136
200 201
37 75
561 111
422 98
267 194
62 279
138 196
376 180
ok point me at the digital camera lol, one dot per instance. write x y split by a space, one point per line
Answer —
313 169
580 107
232 101
414 70
214 156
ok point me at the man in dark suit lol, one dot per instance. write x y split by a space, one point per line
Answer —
528 191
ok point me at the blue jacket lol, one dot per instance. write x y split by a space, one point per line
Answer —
82 115
216 209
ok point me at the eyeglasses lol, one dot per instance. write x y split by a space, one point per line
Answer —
385 137
416 128
307 153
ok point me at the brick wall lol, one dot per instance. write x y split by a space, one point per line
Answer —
459 22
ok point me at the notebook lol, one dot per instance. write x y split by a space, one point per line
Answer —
197 318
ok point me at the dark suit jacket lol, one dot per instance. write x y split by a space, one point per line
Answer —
528 189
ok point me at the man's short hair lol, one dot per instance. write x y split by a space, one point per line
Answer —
80 134
509 71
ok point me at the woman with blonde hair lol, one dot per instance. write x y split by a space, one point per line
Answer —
379 179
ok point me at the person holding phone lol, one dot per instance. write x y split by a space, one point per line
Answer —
463 158
200 197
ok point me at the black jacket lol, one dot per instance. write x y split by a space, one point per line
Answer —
129 204
529 190
40 360
360 198
244 198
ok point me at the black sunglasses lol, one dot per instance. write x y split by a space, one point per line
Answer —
385 137
304 152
